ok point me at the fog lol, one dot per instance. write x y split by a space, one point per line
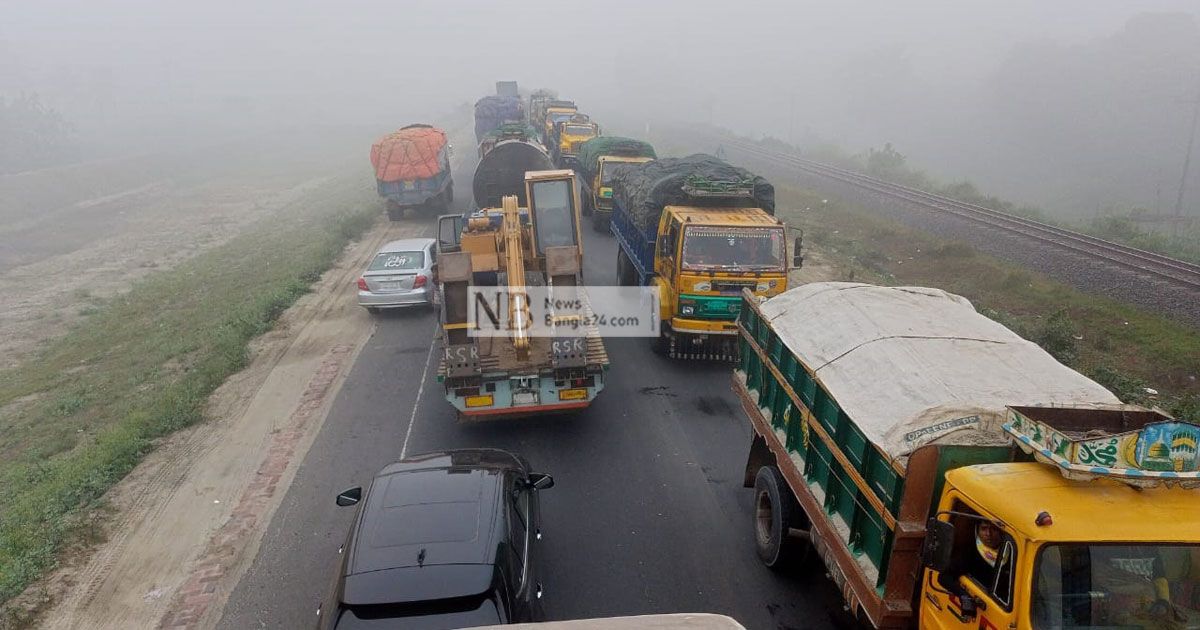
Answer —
1078 105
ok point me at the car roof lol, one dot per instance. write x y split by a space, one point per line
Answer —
406 245
436 509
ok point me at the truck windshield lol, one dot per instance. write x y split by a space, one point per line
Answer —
561 116
736 248
1117 586
609 170
579 130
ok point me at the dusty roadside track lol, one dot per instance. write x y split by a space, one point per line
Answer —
191 515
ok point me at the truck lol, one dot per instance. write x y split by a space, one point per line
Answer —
527 239
599 160
412 170
699 230
950 474
539 100
555 112
501 171
569 135
491 112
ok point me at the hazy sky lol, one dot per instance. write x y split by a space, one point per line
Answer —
150 67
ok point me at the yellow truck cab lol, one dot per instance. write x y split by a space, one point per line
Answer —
705 257
607 166
1068 553
556 112
569 136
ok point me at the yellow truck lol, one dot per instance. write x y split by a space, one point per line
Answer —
951 475
600 159
701 231
569 135
553 113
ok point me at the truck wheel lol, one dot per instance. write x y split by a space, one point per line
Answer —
776 513
625 271
394 211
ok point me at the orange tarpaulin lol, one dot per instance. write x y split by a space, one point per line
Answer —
412 153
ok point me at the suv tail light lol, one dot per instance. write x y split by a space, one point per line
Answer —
362 284
419 282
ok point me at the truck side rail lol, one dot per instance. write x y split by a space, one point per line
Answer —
635 243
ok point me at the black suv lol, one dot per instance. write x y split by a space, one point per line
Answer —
443 540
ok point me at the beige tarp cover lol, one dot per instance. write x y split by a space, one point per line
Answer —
911 365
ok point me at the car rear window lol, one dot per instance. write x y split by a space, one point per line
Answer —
466 613
395 261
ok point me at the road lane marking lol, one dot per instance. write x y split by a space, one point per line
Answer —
417 403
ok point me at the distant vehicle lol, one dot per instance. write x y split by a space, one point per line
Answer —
443 540
412 170
401 274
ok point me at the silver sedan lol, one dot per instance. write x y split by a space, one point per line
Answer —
401 274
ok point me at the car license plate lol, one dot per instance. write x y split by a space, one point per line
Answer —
572 394
525 398
479 401
389 286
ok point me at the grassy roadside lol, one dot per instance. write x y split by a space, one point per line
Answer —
1126 349
78 417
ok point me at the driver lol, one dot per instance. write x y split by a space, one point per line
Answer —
987 542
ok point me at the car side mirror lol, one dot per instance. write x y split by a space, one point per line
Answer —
797 251
938 549
540 481
349 497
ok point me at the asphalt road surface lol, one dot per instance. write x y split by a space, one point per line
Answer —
648 514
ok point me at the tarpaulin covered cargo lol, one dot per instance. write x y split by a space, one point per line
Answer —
912 365
643 191
493 111
590 151
415 152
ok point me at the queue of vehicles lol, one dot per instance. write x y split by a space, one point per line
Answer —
946 472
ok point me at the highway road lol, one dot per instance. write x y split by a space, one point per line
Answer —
648 513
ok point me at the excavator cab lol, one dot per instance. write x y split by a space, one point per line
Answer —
449 233
553 212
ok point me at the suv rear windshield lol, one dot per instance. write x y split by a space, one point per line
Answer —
397 261
466 613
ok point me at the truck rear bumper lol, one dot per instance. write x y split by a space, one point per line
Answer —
525 395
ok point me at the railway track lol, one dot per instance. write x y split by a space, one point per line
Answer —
1163 268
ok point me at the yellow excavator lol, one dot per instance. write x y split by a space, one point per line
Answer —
531 239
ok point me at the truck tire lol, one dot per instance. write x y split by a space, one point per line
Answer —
394 211
776 513
625 271
600 222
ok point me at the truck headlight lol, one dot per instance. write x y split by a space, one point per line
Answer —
702 286
686 310
762 286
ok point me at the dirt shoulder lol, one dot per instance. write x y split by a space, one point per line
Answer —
191 515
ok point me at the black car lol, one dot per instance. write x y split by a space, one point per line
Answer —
443 540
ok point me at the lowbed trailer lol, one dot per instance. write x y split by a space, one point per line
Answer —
891 424
516 248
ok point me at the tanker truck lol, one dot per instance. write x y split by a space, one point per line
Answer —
412 170
950 474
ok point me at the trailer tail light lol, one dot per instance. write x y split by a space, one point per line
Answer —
362 284
419 282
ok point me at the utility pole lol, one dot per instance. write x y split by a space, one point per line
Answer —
1187 158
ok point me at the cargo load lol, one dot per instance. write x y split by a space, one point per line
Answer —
695 180
493 111
913 365
415 152
501 171
590 151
